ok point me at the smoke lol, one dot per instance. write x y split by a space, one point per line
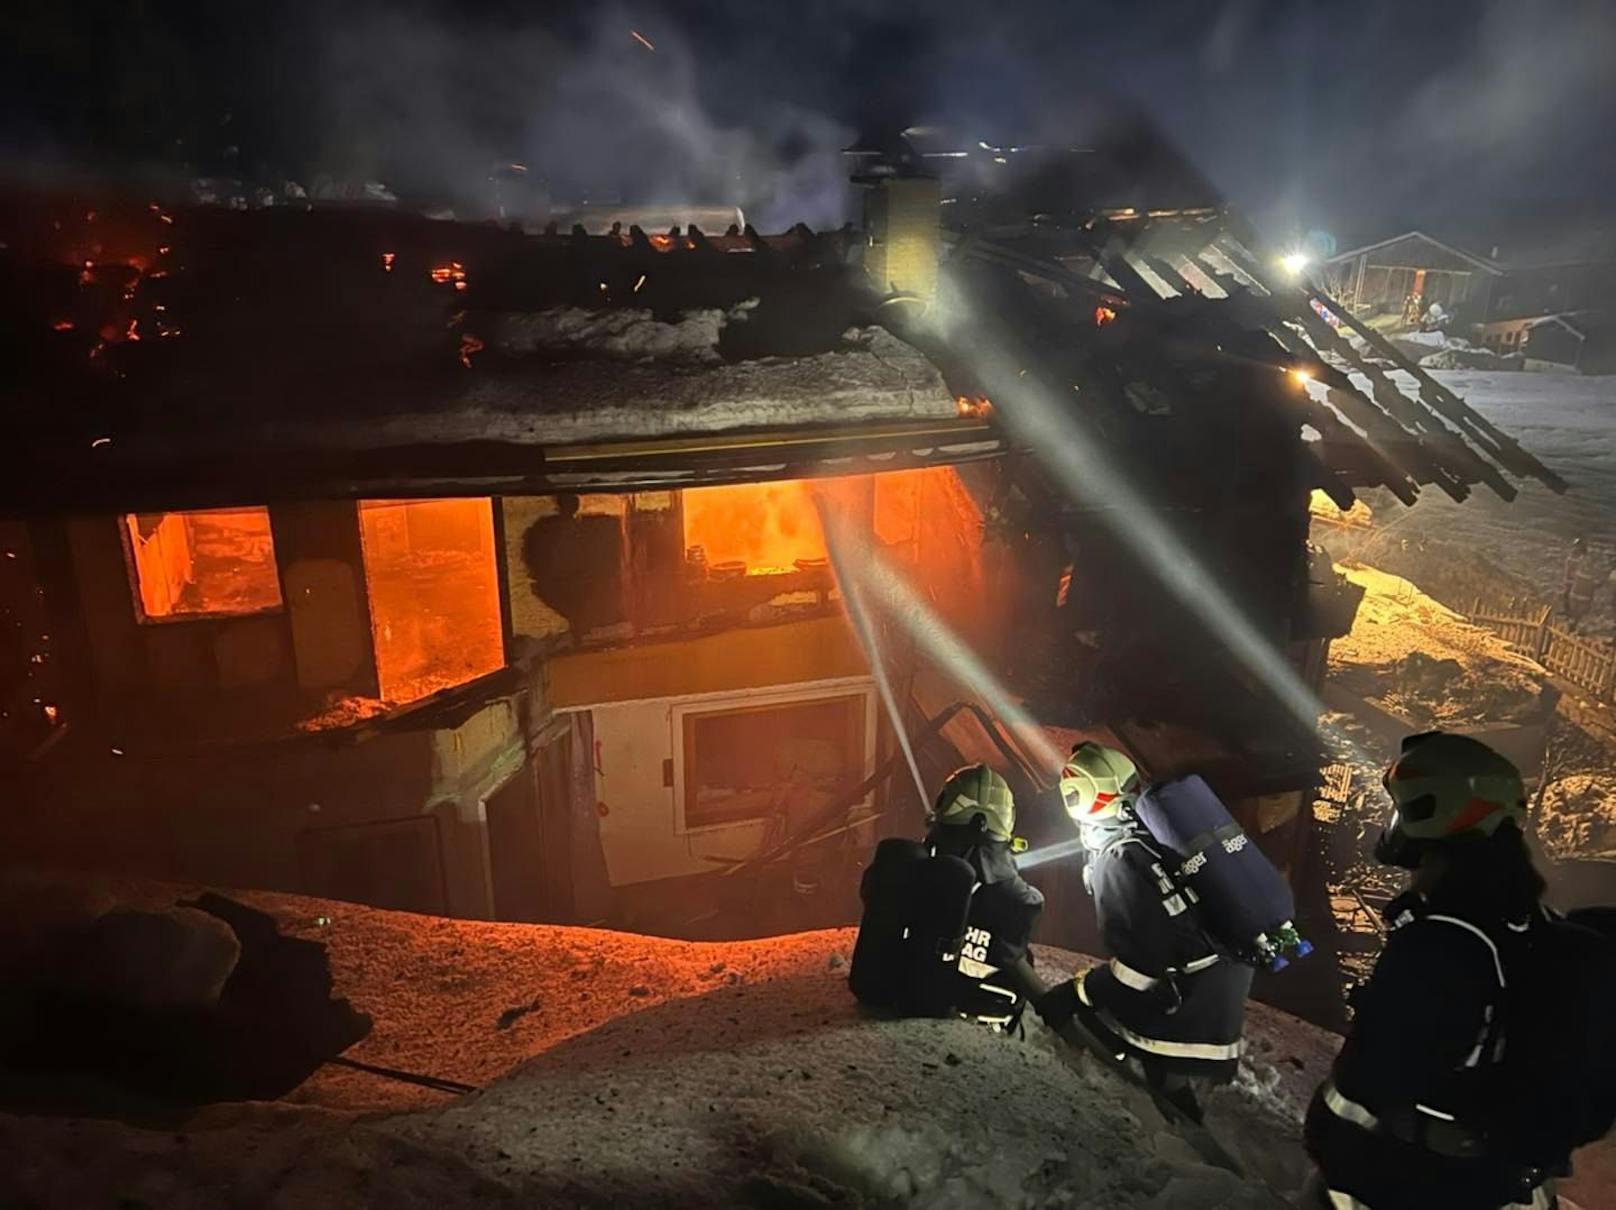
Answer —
598 115
1349 117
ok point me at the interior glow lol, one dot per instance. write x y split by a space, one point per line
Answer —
434 593
218 562
765 526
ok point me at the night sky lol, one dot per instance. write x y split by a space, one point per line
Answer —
1350 118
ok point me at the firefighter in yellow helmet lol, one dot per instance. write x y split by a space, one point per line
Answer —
974 819
947 920
1166 1001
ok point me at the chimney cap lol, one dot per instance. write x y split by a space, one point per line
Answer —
881 153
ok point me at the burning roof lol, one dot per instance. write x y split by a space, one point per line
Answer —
279 351
211 355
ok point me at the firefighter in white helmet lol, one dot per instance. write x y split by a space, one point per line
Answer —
1165 1002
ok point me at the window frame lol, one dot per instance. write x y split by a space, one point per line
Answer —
775 697
131 563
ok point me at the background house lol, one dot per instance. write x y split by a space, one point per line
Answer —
1496 300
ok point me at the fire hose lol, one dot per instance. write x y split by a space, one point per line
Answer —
436 1083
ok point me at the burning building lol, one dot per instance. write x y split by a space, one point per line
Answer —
451 568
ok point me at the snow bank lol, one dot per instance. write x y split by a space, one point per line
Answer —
622 1070
1576 817
668 1073
1421 660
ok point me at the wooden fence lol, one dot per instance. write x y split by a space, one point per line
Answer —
1588 663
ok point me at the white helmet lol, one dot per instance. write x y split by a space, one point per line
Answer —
1096 781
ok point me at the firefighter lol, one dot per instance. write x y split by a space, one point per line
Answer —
1400 1121
947 920
1167 1002
975 819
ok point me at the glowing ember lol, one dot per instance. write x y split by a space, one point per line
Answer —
100 441
641 39
973 407
51 713
387 261
62 325
639 283
469 344
1103 315
454 271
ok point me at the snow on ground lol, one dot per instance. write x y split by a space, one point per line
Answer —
1576 817
1566 421
637 1071
1420 659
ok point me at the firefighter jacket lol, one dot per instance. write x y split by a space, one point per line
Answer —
1396 1125
1166 997
1005 905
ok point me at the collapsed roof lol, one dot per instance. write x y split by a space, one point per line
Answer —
211 355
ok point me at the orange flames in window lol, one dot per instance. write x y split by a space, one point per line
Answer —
758 528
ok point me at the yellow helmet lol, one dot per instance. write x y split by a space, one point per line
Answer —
976 791
1096 781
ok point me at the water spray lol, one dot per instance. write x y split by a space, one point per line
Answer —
856 562
1085 475
832 526
1045 853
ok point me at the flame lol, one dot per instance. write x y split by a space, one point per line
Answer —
765 526
434 593
973 407
1103 315
454 271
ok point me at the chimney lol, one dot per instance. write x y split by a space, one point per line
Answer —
902 199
